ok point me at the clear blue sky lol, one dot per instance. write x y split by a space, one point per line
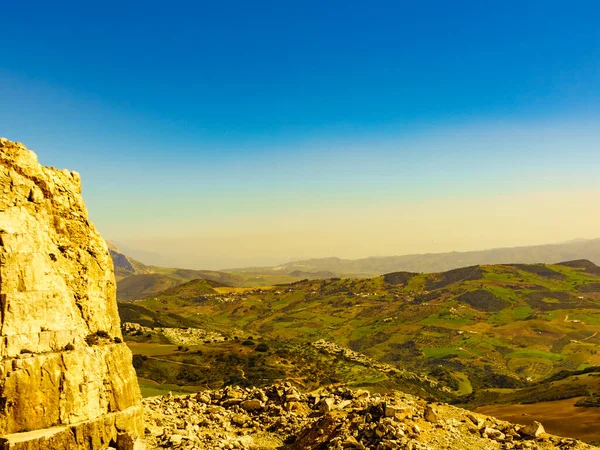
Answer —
238 122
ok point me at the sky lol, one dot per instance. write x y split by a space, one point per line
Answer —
235 133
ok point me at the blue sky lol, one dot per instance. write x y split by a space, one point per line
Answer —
240 126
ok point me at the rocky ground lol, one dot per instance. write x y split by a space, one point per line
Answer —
332 348
177 336
281 417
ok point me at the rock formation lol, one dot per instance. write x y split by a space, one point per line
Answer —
66 378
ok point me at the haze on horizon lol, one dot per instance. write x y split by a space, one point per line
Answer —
237 134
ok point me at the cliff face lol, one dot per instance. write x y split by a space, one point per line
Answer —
66 378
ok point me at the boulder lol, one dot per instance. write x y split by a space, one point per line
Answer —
251 405
493 433
534 429
326 405
431 415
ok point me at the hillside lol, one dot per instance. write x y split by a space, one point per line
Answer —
195 292
500 326
139 286
438 262
143 285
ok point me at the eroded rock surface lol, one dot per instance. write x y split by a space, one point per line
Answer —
66 378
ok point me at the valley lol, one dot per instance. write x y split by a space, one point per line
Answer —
477 336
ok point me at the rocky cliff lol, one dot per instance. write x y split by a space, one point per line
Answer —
66 378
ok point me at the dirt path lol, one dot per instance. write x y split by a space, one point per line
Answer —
177 362
589 337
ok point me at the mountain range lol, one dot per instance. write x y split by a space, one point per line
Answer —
137 280
439 262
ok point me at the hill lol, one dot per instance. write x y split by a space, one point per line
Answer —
438 262
144 285
498 326
139 286
195 291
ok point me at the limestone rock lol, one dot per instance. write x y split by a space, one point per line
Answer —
534 429
326 405
492 433
66 378
430 414
187 422
477 421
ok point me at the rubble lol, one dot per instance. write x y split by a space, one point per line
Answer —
282 417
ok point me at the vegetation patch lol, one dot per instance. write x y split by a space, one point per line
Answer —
445 351
536 354
398 277
589 287
454 276
483 300
130 312
550 300
540 270
584 264
428 297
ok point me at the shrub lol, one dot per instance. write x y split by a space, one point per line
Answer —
69 347
138 361
262 348
248 342
188 374
117 340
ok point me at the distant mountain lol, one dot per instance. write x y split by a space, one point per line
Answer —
439 262
321 275
124 265
136 280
